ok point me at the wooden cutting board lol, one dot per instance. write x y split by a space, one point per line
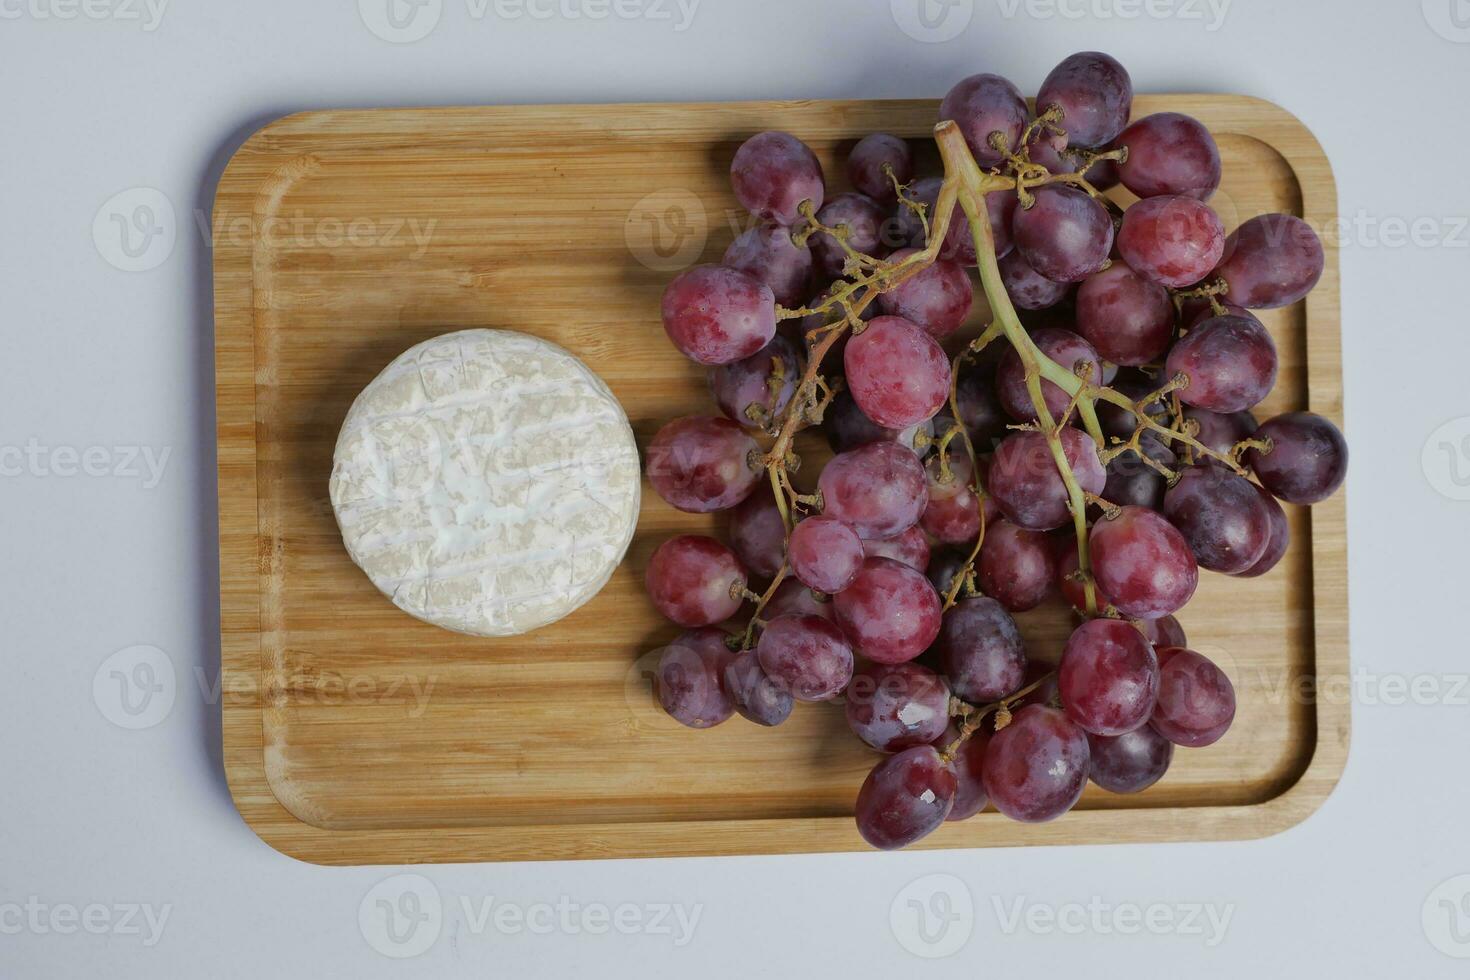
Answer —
354 734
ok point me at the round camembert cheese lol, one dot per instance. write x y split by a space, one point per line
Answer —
487 482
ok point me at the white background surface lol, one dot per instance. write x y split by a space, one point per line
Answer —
94 356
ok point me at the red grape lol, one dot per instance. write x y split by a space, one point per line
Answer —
768 253
806 656
890 611
981 652
1127 318
695 580
1052 152
1131 762
1095 94
1170 153
741 384
1072 589
1065 235
825 554
794 599
1017 566
753 694
1142 563
848 428
905 797
1024 481
758 533
865 165
1220 431
1062 346
1036 767
1133 481
936 298
1027 288
878 490
864 218
716 315
897 373
943 567
1221 516
1308 458
1118 422
909 547
1196 699
702 464
959 244
1109 677
979 405
1171 240
689 673
952 515
895 706
1230 362
1164 632
1271 260
969 766
773 173
984 104
1275 548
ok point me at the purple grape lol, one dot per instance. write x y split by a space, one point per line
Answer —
1071 587
1275 548
716 315
1024 481
848 428
758 533
701 464
1220 432
695 581
688 678
878 489
806 656
1230 362
1196 699
1118 422
969 766
1164 632
905 797
959 245
1131 762
865 166
896 706
1125 317
897 373
936 298
1142 563
909 548
1027 288
980 409
943 567
1017 566
794 599
864 218
742 388
1109 677
1060 159
952 515
1308 459
769 254
1271 260
981 652
773 173
1062 346
1133 481
1095 94
1036 767
1065 235
754 695
825 554
1221 516
1170 153
984 104
1171 240
890 611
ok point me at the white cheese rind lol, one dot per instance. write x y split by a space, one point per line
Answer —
487 482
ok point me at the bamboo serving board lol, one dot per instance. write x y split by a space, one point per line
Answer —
354 734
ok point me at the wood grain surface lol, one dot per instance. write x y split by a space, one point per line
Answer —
354 734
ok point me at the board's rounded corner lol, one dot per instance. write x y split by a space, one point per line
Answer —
1311 789
253 145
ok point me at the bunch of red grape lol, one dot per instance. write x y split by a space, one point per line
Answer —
1104 455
